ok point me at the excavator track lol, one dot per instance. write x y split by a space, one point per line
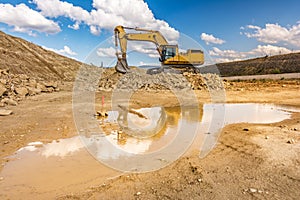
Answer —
173 69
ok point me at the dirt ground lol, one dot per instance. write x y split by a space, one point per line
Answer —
254 164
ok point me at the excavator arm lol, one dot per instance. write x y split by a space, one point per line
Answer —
121 38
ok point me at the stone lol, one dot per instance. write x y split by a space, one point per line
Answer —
21 91
52 84
245 129
267 137
138 193
50 89
252 190
3 81
4 112
4 71
2 89
102 113
10 102
2 104
41 87
31 91
32 83
291 141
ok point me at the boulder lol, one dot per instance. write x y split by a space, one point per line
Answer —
4 112
32 83
3 81
9 101
52 84
21 91
4 71
2 89
33 91
41 87
50 89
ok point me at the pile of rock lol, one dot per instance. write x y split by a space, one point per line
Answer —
162 81
15 87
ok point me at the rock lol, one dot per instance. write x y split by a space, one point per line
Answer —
2 104
291 141
138 193
102 113
50 89
10 102
21 91
52 84
33 91
252 190
41 87
295 129
4 71
267 137
2 89
32 83
5 112
245 129
3 81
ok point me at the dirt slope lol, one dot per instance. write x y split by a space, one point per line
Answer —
287 63
23 57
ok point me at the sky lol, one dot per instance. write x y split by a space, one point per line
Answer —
226 30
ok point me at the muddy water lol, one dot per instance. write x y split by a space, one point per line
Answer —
48 170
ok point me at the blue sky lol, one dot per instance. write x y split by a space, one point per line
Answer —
227 30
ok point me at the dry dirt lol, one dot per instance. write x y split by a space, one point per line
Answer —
254 164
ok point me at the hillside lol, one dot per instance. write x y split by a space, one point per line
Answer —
287 63
23 57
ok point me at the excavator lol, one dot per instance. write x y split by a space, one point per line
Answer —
169 55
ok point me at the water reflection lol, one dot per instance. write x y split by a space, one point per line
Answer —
114 135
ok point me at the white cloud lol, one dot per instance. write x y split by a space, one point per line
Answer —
260 50
107 14
274 34
143 47
23 19
74 26
208 38
106 52
56 8
66 51
95 30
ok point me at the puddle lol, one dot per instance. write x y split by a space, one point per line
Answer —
62 166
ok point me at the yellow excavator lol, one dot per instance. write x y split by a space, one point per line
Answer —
170 57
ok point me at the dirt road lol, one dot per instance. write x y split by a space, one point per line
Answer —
251 161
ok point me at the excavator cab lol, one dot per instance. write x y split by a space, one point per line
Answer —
168 51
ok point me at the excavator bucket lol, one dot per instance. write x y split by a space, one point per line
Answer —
122 66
